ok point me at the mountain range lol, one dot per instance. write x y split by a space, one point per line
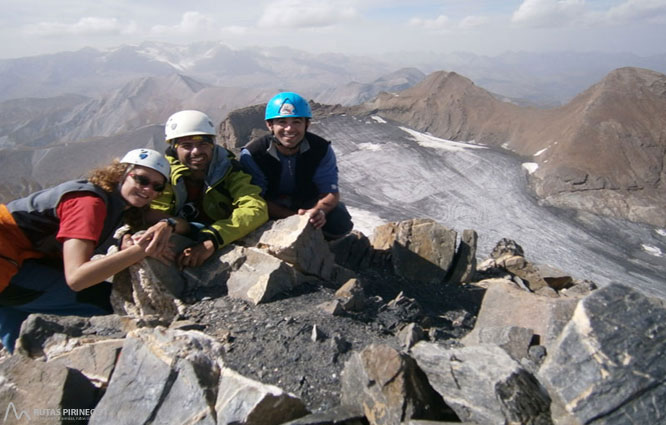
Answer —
602 151
545 79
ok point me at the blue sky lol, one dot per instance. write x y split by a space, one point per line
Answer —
363 27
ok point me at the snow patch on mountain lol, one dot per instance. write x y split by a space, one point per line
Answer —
652 250
428 141
541 151
531 167
159 55
370 146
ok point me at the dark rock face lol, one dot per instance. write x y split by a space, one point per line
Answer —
421 249
243 125
388 388
483 384
610 352
52 389
378 349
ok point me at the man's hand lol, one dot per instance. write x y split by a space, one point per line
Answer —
317 216
195 256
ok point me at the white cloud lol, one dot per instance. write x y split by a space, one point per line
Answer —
190 23
638 10
237 30
85 26
561 13
549 13
441 22
304 14
471 22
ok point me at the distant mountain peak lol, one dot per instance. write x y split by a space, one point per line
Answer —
604 145
631 78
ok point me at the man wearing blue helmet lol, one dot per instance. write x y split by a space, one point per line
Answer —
296 169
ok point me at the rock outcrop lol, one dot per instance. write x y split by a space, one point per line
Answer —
608 362
382 345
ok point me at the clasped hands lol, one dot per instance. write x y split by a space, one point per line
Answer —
155 242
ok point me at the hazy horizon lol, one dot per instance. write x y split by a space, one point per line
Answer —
367 27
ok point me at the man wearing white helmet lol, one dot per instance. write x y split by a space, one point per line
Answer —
47 240
208 189
295 168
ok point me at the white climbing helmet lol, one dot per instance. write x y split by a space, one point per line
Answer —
148 158
188 123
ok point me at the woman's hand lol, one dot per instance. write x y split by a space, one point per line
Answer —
155 239
155 242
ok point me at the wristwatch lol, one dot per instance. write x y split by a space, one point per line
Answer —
171 222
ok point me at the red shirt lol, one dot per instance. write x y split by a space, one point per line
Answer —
82 216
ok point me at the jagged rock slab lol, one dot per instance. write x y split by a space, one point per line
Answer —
525 270
216 270
295 241
388 388
608 365
483 384
243 401
505 305
421 249
340 415
410 335
351 295
464 263
261 277
43 392
152 291
554 277
354 251
512 339
166 376
47 335
96 360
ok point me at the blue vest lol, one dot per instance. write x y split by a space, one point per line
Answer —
306 165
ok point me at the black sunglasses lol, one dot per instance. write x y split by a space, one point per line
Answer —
144 181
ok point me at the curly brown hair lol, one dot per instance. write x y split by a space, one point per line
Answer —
109 176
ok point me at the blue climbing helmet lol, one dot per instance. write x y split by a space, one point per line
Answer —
287 104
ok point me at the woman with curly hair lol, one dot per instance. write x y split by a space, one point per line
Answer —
47 240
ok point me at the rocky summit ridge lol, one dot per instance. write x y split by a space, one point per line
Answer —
602 152
403 327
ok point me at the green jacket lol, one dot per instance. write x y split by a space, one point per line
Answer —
230 199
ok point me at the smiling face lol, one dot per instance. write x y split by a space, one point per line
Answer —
288 131
141 186
195 152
